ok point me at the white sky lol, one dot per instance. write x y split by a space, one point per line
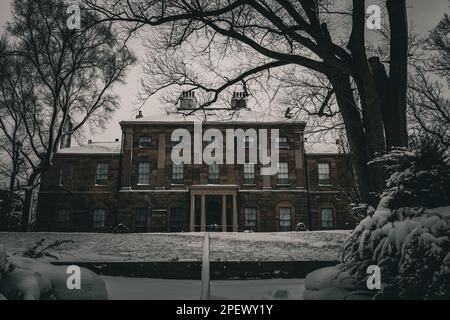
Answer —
423 14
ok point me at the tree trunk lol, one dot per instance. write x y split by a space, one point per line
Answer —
398 73
354 130
365 82
383 87
28 202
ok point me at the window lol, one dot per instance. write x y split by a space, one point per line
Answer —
145 142
99 218
65 175
177 173
283 173
285 219
63 219
140 220
176 141
327 218
249 142
249 173
282 143
144 173
213 173
324 173
250 218
101 173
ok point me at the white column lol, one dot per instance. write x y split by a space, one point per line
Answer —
235 215
224 213
192 221
203 215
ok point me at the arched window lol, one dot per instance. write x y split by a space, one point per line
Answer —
327 218
285 219
285 214
99 218
250 218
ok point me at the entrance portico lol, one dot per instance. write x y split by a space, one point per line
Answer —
214 190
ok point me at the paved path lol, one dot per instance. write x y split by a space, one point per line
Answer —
163 289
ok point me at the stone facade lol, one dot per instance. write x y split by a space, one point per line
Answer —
72 200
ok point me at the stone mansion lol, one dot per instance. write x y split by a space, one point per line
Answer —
134 182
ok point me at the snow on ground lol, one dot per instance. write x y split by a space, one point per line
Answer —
120 288
282 246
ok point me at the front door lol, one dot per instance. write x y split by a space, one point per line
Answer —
213 209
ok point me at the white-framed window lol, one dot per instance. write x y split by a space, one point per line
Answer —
101 173
250 218
327 217
145 142
63 219
140 220
99 218
281 143
213 173
283 173
176 140
177 173
324 173
144 173
285 219
249 142
249 173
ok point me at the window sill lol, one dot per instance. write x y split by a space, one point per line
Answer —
283 184
249 185
325 185
143 184
177 184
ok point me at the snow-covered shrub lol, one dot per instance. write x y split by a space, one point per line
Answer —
5 266
419 176
408 236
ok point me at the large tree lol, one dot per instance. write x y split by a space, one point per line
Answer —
429 84
274 34
68 75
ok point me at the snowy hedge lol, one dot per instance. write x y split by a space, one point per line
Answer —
407 236
24 278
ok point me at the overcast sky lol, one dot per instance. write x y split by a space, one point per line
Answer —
423 14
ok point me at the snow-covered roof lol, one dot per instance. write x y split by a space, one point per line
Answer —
240 116
93 148
321 148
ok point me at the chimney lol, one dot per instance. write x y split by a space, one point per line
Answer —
139 115
89 141
187 100
288 113
66 138
117 140
239 100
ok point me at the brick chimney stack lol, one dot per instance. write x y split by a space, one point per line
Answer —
239 100
139 115
188 100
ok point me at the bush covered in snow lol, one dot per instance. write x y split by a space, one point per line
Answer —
5 266
408 235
